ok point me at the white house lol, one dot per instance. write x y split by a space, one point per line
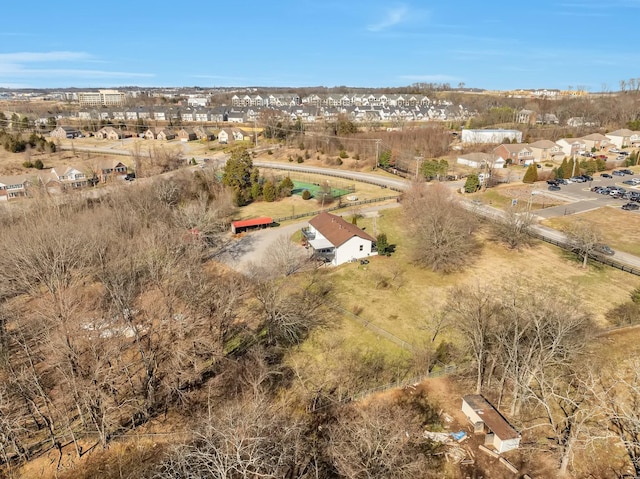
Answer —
337 241
479 160
571 146
485 418
497 136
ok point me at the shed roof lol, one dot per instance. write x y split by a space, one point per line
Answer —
495 421
263 220
336 229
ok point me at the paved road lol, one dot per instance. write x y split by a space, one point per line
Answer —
582 200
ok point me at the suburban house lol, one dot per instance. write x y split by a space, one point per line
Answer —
150 134
517 153
165 134
545 150
597 141
110 169
576 121
203 134
571 146
547 119
13 187
65 177
480 160
231 134
623 137
498 135
65 132
108 133
501 435
336 241
187 134
526 116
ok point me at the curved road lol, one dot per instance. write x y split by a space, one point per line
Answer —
622 258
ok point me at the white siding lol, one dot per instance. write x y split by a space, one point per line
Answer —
350 250
506 445
470 413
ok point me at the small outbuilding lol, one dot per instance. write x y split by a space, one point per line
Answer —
501 435
252 224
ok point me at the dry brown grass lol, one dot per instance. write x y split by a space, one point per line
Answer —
402 298
620 229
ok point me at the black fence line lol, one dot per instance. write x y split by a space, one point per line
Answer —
334 208
596 257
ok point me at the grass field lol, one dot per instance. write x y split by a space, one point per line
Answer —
404 299
620 229
502 196
316 190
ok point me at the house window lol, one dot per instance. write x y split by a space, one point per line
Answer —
361 247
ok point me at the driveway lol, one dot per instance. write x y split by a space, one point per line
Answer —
251 248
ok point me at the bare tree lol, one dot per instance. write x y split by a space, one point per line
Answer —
584 239
619 398
514 226
252 437
443 229
283 258
474 310
380 440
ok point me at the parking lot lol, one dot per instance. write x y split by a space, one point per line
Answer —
611 190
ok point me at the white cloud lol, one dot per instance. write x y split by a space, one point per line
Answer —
33 57
393 17
19 66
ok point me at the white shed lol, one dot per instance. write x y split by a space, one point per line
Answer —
485 418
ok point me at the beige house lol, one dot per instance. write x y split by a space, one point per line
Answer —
545 150
165 134
597 141
65 132
12 187
108 133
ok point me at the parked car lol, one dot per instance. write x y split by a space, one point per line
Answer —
627 171
587 177
623 153
605 175
631 206
621 157
602 157
617 173
605 249
562 181
628 182
552 182
577 179
554 188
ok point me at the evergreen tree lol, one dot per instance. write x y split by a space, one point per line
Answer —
269 191
563 169
472 184
531 175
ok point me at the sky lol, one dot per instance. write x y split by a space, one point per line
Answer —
495 45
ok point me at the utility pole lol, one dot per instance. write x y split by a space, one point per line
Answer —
377 153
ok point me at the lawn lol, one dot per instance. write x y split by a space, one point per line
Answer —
403 299
502 196
620 229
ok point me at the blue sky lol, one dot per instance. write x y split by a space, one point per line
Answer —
296 43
